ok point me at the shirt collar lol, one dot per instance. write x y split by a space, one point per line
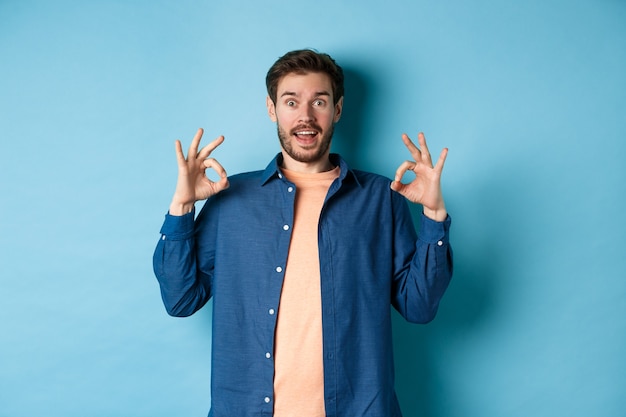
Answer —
273 169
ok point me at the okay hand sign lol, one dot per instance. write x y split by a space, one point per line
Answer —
193 184
425 189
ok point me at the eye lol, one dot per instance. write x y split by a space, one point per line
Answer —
291 103
319 103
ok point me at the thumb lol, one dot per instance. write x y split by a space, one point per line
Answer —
397 186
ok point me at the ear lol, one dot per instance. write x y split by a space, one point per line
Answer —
338 110
271 108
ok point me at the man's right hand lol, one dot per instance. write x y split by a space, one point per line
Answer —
193 184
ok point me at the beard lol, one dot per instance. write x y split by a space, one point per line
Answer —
313 154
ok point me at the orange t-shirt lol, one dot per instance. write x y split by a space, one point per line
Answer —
298 351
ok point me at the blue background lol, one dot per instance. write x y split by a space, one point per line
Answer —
530 97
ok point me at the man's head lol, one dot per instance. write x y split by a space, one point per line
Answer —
304 61
305 99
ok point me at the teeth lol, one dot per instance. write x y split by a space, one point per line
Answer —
306 132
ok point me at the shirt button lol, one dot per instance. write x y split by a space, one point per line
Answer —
163 238
290 189
286 227
279 269
280 175
271 311
267 399
268 355
440 243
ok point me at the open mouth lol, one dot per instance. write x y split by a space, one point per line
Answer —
305 136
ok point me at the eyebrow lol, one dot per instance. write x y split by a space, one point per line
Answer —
317 94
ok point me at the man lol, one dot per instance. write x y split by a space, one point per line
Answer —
304 259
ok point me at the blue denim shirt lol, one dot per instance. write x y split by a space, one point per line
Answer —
370 258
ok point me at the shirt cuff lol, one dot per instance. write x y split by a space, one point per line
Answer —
432 231
178 227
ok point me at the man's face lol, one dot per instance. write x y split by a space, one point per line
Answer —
305 114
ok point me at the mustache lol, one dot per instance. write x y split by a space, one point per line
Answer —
309 126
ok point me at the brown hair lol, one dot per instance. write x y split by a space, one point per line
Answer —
304 61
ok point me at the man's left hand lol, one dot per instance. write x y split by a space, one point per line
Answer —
425 189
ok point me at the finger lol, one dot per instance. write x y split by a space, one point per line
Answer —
442 159
195 143
398 187
206 151
421 139
414 150
180 156
216 166
222 183
403 168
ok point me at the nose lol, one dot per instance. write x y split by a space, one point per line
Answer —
307 114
